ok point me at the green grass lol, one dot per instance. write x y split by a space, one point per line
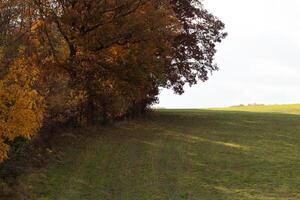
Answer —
180 155
290 109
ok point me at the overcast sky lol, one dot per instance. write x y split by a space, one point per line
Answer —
259 60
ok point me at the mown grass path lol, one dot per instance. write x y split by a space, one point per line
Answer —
180 155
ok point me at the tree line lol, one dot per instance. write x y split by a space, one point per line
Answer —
92 61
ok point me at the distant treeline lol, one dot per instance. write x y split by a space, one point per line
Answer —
250 104
92 61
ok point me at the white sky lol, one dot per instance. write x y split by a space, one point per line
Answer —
259 60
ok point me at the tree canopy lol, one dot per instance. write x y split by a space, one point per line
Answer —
97 60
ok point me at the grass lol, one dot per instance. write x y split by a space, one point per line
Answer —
289 109
180 155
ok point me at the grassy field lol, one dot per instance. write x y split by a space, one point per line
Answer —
289 109
223 154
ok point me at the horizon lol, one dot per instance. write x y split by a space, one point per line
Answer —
230 106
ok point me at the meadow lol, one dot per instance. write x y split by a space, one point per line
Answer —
242 153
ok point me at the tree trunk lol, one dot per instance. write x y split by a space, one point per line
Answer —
90 109
105 119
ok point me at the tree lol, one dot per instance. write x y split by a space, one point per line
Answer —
102 37
98 60
195 46
21 107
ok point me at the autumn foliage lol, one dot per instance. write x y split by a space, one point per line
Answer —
21 107
91 61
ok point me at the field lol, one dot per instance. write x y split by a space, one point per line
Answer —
250 153
288 109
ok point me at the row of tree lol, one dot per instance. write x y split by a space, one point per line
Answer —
97 60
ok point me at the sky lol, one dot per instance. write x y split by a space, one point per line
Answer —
259 61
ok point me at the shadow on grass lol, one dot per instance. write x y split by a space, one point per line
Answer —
180 155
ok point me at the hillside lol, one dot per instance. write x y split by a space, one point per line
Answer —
289 109
179 155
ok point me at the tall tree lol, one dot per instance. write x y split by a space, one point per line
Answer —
178 38
98 59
